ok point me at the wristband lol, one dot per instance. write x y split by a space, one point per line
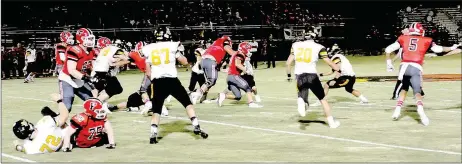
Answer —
59 101
321 74
289 75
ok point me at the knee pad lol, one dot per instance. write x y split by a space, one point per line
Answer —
237 98
114 91
349 90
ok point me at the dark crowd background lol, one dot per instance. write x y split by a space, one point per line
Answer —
358 27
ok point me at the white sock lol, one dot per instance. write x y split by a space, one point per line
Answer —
363 99
194 121
153 128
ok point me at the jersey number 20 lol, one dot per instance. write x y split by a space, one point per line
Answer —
156 53
50 140
303 55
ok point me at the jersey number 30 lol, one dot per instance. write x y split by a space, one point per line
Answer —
303 55
50 140
156 53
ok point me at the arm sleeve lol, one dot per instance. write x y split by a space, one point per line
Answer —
393 47
336 60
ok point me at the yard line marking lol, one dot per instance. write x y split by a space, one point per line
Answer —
18 158
303 134
325 137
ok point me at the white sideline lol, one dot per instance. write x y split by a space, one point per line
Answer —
271 130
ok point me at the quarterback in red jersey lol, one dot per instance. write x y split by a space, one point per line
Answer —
235 81
414 45
67 39
211 58
89 128
75 79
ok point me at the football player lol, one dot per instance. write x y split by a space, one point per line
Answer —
197 74
346 78
160 68
212 57
75 77
67 40
90 128
306 54
414 45
106 67
45 137
141 97
248 76
235 81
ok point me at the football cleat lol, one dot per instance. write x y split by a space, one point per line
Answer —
147 107
301 107
164 111
169 98
194 97
111 146
396 113
199 131
67 150
153 139
254 105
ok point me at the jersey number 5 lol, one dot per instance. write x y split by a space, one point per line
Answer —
156 53
50 140
303 55
413 44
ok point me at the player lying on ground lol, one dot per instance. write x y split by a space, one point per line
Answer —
75 78
46 136
346 78
306 54
235 81
106 67
211 58
90 128
161 69
414 45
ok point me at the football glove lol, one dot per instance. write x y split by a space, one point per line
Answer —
390 67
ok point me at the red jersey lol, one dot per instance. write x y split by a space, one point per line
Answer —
217 50
60 48
89 130
82 57
233 70
138 60
414 48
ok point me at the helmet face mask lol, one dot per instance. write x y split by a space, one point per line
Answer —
89 41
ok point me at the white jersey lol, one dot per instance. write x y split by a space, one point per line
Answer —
345 65
105 60
248 66
49 137
195 68
307 54
32 56
161 57
254 47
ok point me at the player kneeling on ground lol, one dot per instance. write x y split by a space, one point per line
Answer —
161 69
45 137
235 81
90 128
346 78
306 54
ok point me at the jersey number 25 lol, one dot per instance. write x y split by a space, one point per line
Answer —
303 55
156 53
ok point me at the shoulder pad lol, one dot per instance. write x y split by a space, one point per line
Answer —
79 120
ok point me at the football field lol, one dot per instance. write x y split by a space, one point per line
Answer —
274 133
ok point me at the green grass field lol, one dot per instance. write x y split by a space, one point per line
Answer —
274 133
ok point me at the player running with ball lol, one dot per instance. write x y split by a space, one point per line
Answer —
414 45
306 54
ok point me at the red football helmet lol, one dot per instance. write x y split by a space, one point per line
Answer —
416 29
139 46
103 42
66 37
94 107
85 37
244 47
226 38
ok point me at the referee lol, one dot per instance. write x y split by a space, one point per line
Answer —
31 65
